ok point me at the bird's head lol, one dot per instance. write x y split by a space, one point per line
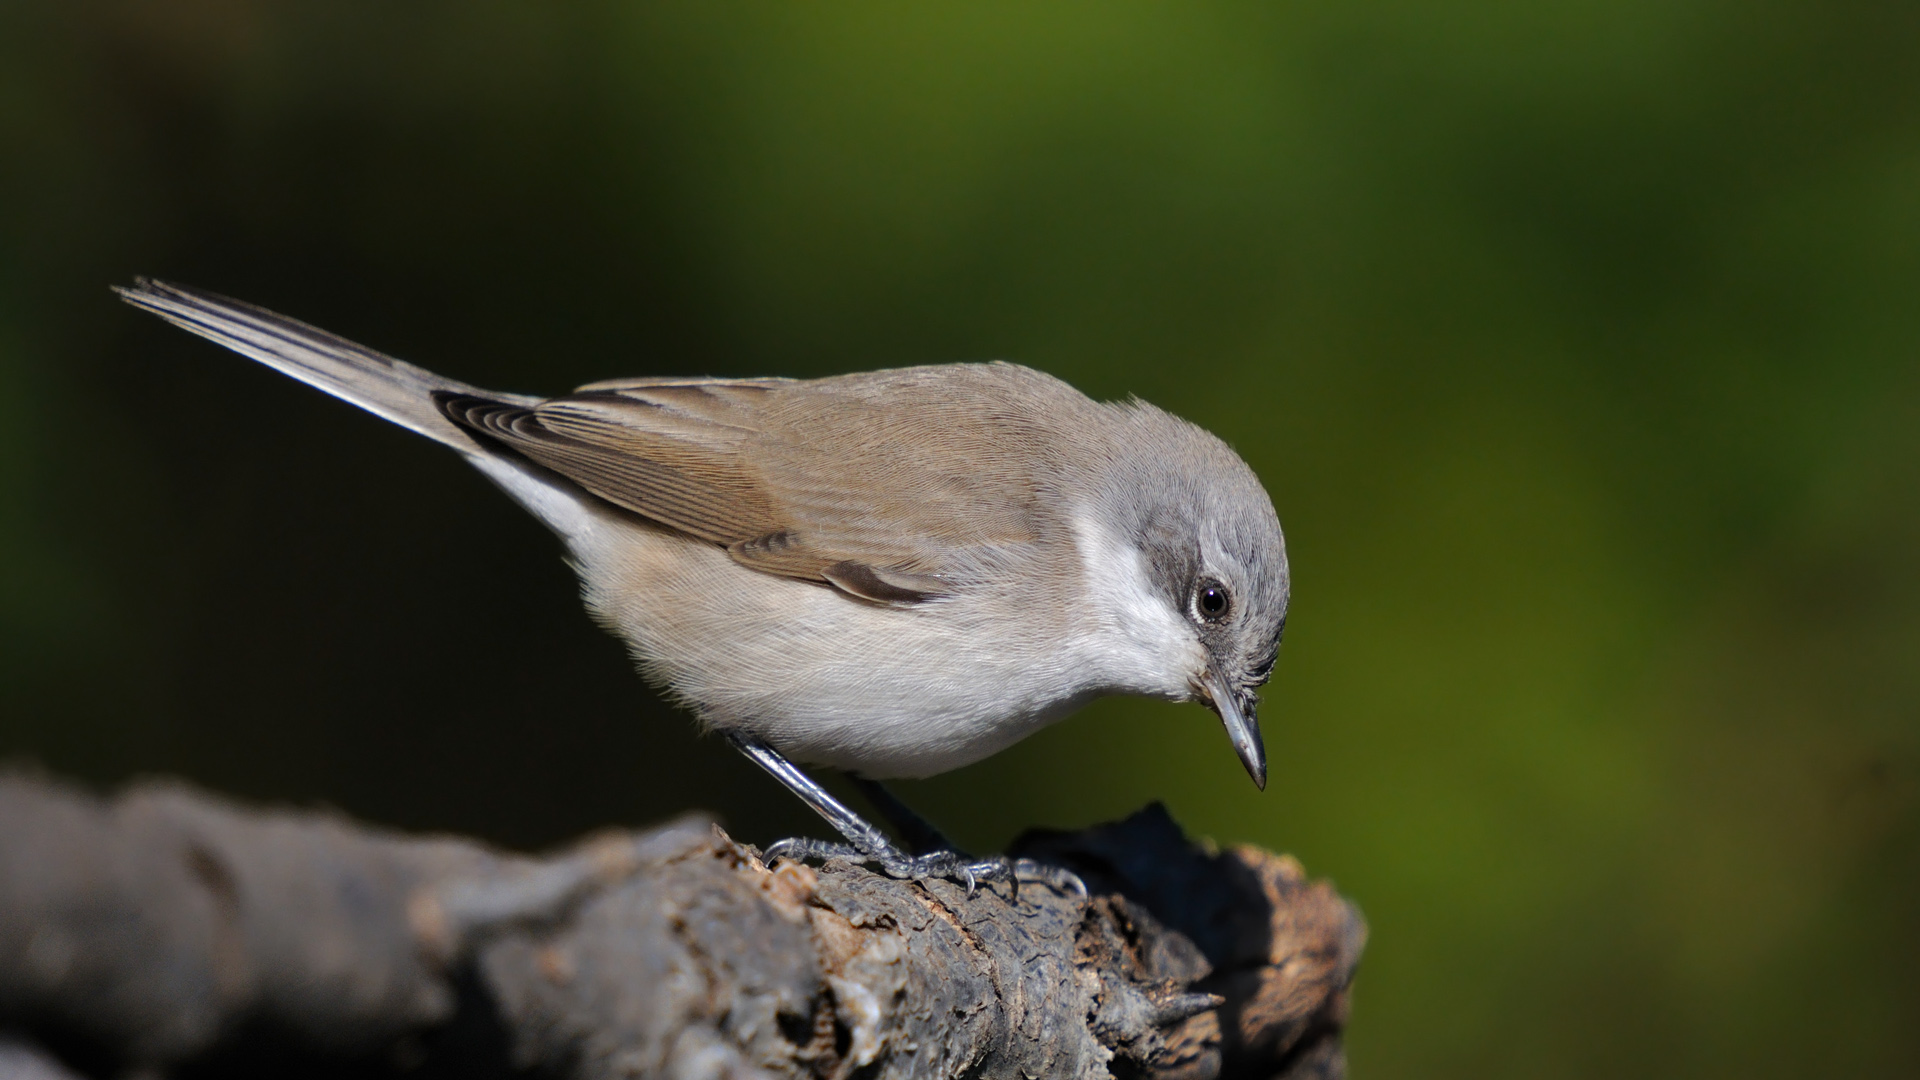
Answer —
1215 555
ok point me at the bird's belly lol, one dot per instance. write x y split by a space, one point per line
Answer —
827 679
910 734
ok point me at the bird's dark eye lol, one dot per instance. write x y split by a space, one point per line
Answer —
1211 601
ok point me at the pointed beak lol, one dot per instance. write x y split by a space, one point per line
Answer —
1243 729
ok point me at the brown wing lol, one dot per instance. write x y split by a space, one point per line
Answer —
896 486
640 452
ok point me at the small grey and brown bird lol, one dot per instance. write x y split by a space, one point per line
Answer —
893 573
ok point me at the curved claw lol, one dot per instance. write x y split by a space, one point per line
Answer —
867 844
938 865
1055 877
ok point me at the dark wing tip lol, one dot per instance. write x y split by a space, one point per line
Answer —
883 586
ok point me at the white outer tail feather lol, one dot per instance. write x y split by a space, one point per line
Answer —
392 389
388 388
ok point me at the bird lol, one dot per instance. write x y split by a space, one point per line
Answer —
893 573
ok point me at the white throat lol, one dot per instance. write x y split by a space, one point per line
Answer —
1141 643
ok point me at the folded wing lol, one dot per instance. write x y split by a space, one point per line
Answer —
899 487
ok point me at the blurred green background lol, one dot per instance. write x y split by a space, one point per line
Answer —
1576 344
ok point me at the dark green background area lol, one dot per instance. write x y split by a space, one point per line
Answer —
1578 344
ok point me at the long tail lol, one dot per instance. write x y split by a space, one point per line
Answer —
378 383
386 387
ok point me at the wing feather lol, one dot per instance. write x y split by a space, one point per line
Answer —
898 487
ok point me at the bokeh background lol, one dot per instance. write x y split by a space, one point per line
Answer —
1576 344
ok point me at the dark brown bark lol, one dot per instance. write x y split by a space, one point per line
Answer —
168 931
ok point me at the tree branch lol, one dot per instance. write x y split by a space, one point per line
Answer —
165 928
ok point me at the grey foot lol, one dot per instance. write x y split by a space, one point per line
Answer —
867 844
954 866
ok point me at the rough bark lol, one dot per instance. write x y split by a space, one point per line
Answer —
168 932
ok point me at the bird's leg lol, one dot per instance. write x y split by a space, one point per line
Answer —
925 836
918 832
867 844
